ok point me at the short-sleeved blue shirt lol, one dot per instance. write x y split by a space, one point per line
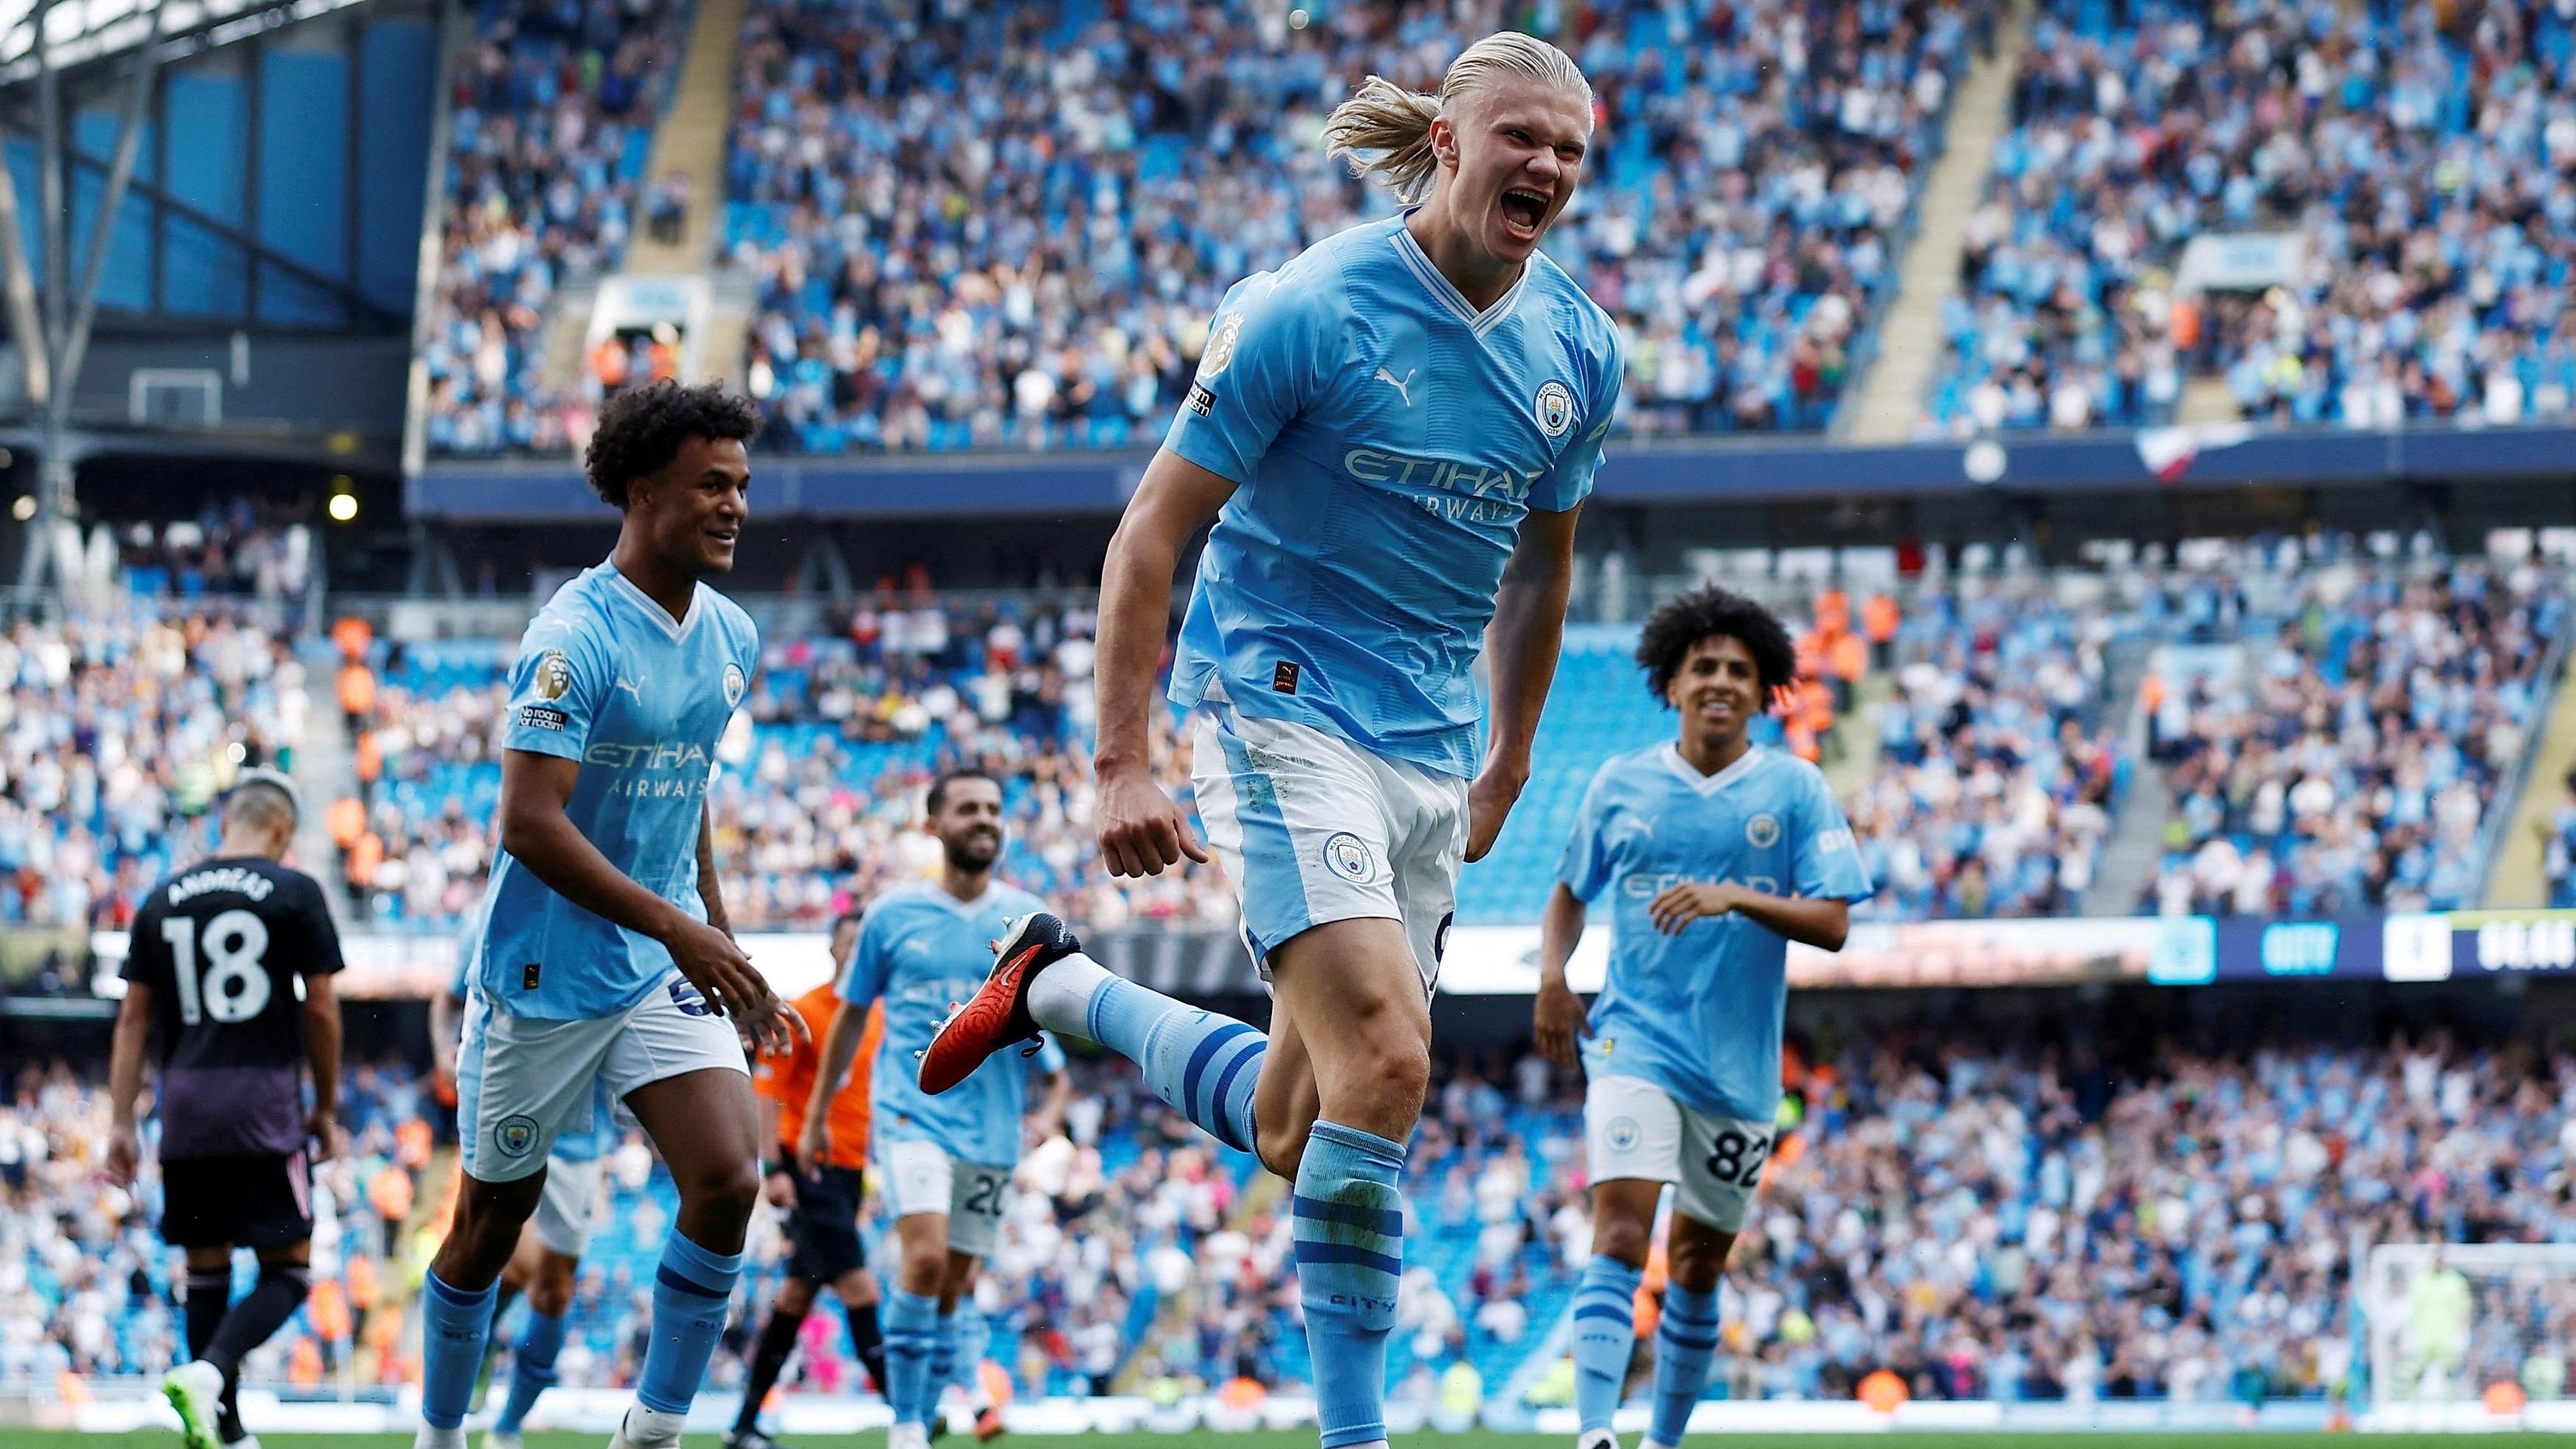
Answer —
1699 1013
1387 439
922 949
607 677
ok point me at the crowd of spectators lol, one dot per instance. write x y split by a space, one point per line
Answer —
1997 764
1012 225
2347 755
116 733
550 123
87 1288
2037 1215
2407 161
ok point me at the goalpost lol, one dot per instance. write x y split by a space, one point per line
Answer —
2462 1331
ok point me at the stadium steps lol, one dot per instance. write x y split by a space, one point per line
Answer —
691 140
567 329
325 771
1848 771
2206 400
2515 879
1910 345
2136 848
1177 1323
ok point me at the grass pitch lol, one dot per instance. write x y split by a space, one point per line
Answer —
1305 1439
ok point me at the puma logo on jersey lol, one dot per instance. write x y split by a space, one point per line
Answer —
1403 386
631 687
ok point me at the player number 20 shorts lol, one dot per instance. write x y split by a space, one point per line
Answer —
1313 829
1634 1129
920 1177
521 1081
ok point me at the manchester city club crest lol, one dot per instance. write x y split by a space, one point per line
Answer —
515 1135
1347 856
554 675
1762 831
1555 408
1623 1134
1220 348
733 685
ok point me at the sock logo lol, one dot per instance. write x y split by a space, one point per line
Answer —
1363 1302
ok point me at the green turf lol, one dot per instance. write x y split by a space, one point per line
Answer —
1302 1439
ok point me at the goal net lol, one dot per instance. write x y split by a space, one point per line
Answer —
2475 1328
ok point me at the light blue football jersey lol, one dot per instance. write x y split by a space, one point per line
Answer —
583 1144
606 676
922 950
1699 1013
1388 439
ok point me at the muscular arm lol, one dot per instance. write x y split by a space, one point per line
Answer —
535 830
1522 645
539 835
1175 498
322 1054
1558 1012
710 892
125 1053
1821 923
840 1043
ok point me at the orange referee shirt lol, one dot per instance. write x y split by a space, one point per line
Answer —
787 1078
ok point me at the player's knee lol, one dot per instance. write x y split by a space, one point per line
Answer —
1396 1068
551 1296
1697 1264
1622 1238
729 1190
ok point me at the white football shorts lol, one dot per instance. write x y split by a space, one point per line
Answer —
563 1213
1312 829
921 1177
521 1080
1634 1129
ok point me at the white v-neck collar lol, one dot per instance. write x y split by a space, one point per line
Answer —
1446 293
678 628
1711 784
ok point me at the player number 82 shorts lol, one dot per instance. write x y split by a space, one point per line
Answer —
1314 829
1634 1129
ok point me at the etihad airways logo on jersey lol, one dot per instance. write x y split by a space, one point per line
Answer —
1464 492
1645 887
664 770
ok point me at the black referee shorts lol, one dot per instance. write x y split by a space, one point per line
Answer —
824 1227
246 1202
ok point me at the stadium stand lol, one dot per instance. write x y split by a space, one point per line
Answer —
2018 1220
120 730
2350 758
2411 161
550 125
963 236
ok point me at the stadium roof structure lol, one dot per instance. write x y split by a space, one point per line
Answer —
77 32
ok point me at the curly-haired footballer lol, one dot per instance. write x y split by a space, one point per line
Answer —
1715 854
604 955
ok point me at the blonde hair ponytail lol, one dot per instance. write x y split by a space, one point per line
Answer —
1385 129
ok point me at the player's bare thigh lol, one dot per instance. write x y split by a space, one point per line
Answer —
704 1125
1348 1004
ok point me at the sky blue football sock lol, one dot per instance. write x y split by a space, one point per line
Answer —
532 1368
1349 1224
943 1365
911 1332
1684 1343
972 1336
692 1289
453 1327
1605 1336
1202 1063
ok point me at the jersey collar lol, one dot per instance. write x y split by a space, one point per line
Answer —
1446 293
1711 784
678 628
